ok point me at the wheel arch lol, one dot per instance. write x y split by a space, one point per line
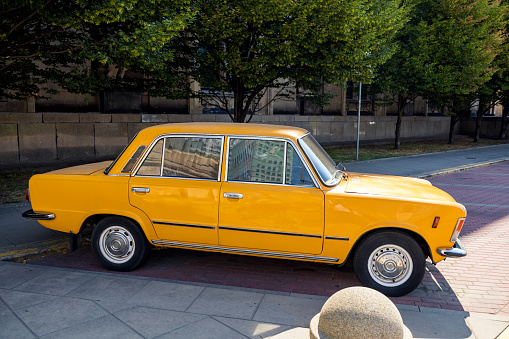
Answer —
416 236
94 219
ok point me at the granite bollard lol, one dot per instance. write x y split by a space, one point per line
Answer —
358 312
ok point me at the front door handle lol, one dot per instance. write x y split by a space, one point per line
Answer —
233 195
140 189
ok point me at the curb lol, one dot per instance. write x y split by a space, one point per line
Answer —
460 168
24 251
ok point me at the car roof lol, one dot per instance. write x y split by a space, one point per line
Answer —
224 129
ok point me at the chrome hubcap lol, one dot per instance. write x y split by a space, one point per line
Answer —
390 265
117 244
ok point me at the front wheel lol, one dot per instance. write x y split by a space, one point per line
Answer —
390 262
119 244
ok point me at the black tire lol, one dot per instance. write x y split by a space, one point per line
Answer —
119 244
390 262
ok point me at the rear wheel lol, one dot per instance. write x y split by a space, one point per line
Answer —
119 244
390 262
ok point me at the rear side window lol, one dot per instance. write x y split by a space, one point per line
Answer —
184 157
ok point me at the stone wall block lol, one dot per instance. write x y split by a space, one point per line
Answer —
154 118
9 144
324 131
203 117
75 141
95 117
60 117
179 118
337 131
110 139
37 142
20 118
133 117
224 118
301 117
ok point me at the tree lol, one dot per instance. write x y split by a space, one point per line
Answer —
445 53
237 49
50 40
467 37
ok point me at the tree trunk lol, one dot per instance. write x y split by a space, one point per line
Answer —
401 108
454 120
504 122
480 113
238 109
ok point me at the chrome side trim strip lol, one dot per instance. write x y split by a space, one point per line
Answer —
269 232
240 250
337 238
183 225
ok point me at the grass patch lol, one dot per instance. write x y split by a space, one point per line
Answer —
370 152
14 185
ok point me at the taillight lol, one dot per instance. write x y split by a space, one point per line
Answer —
27 194
457 229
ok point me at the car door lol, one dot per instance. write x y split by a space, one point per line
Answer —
178 185
265 207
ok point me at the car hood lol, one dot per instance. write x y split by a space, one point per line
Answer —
394 186
87 169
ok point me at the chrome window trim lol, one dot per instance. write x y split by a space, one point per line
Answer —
286 140
182 225
180 135
137 149
110 167
240 250
313 165
269 232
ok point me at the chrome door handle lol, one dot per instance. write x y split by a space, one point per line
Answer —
233 195
140 189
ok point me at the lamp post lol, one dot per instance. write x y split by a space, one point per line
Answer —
359 121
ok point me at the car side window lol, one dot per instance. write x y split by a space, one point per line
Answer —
296 173
152 164
253 160
192 157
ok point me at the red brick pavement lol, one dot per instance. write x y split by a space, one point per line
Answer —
478 282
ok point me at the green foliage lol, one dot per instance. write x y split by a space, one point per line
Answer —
445 53
51 40
237 49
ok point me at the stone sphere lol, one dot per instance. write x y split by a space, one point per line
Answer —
358 312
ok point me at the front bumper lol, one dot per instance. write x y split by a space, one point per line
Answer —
457 251
30 214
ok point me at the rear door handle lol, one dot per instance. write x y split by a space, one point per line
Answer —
140 189
233 195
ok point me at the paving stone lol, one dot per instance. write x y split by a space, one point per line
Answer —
12 328
286 310
105 327
14 275
228 303
17 300
58 314
254 329
56 282
166 295
206 329
151 322
108 288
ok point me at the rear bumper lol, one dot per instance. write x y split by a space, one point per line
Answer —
30 214
457 251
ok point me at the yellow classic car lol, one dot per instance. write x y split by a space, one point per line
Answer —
262 190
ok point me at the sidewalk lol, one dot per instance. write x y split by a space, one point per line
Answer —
431 164
40 301
48 302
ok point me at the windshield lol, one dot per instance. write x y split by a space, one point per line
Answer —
322 162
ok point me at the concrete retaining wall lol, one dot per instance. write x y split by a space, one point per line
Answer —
28 139
490 127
